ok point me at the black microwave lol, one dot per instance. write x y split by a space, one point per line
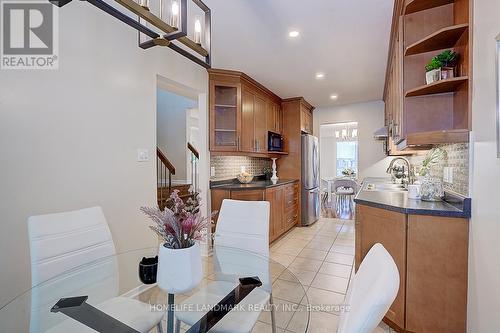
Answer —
275 142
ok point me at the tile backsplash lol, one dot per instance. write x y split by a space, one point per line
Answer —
457 157
227 167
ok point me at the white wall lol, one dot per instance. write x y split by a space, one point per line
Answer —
370 117
68 138
171 128
484 247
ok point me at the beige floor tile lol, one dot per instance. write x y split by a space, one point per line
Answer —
340 258
303 264
304 277
323 300
291 251
330 282
261 327
319 245
300 321
313 254
344 242
331 268
305 237
342 249
323 239
283 259
283 310
289 291
319 322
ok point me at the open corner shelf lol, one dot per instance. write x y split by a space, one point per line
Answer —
419 5
441 39
427 139
439 87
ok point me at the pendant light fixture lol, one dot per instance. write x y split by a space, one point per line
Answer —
154 30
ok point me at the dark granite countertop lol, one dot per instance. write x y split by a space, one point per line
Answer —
258 183
453 205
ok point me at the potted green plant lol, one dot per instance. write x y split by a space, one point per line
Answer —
433 71
448 61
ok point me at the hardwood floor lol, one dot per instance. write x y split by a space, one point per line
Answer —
340 207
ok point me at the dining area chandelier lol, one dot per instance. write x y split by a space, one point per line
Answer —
164 23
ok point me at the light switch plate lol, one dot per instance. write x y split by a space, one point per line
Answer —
142 155
212 171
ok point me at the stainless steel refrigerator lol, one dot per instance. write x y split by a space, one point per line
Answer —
310 180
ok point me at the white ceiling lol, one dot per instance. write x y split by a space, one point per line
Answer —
345 39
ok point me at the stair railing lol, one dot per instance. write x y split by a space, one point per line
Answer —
163 168
195 158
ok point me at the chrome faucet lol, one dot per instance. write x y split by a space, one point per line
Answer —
406 175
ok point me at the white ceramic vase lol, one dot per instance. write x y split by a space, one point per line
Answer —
179 270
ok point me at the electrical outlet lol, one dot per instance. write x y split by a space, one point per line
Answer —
212 171
142 155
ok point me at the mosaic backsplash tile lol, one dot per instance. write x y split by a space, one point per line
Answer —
227 167
457 157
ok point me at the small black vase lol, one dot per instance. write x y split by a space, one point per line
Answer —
147 270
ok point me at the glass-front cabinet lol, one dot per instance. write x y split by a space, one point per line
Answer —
224 120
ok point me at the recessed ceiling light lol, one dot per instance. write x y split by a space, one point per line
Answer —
334 96
293 33
320 75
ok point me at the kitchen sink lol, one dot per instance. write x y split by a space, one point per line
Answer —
385 187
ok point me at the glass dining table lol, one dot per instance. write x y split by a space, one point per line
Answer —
41 309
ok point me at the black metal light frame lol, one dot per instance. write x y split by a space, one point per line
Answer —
171 37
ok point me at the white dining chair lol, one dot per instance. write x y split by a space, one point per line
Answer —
73 254
241 248
371 292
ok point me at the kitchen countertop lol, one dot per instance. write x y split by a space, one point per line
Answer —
234 184
453 205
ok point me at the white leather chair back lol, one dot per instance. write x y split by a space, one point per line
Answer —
71 255
371 292
241 246
62 241
244 225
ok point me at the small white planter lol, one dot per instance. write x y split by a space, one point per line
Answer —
433 76
179 270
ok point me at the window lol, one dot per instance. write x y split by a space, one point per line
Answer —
347 156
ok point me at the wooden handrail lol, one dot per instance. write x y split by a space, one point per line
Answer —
193 150
165 161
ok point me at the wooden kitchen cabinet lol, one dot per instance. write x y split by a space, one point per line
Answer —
431 255
242 111
283 199
306 119
418 114
374 225
274 117
253 121
436 283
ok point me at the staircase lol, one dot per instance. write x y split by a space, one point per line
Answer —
164 172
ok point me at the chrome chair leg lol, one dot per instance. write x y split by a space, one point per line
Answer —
273 315
159 329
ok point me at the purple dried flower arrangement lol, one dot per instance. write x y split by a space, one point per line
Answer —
179 224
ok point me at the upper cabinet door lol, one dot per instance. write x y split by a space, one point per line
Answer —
247 121
260 125
224 117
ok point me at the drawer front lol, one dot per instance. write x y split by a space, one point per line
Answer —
291 217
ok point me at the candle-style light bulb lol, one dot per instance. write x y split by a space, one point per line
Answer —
174 22
197 31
